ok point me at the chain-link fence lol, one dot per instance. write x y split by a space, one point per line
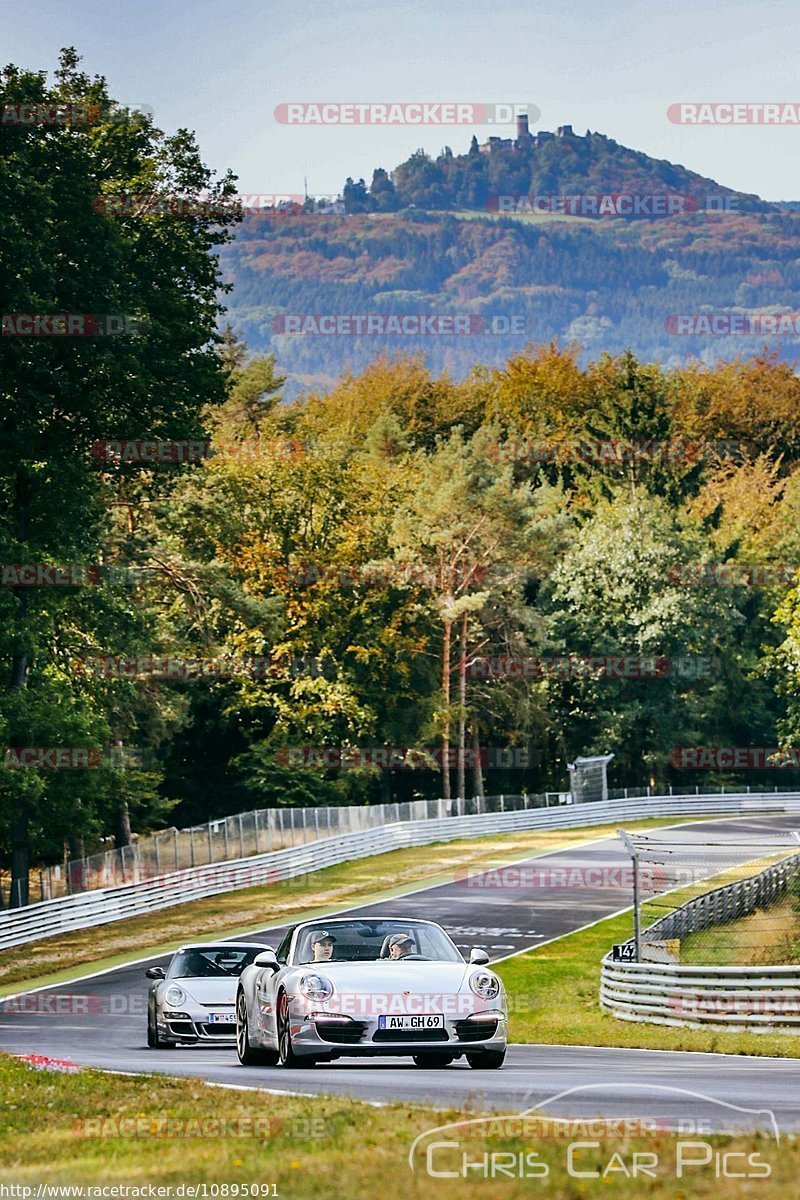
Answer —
246 834
733 900
267 829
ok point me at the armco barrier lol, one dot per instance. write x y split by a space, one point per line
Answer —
733 998
88 909
722 997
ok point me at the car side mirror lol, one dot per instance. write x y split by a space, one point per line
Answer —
267 958
479 957
156 973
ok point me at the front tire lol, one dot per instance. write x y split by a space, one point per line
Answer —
249 1056
154 1038
286 1055
486 1060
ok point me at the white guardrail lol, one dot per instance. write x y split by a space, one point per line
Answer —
735 998
88 909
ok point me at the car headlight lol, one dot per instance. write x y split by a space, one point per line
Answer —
174 996
485 984
316 987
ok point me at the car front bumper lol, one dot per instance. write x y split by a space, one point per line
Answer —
342 1036
193 1025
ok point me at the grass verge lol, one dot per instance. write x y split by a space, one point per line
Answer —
93 1130
554 998
57 959
768 935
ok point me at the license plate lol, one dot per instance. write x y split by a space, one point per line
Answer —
222 1018
432 1021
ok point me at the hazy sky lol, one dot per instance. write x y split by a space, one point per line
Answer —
609 65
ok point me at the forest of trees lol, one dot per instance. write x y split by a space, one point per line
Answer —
407 560
606 285
564 166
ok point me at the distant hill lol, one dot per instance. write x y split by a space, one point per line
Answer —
608 283
544 167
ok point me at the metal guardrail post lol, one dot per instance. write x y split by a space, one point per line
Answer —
637 919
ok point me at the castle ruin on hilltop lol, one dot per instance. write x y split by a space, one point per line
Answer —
524 140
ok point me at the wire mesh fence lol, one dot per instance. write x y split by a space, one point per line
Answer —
264 830
245 834
733 900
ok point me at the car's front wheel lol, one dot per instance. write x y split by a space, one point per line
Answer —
433 1060
153 1037
286 1054
249 1056
486 1060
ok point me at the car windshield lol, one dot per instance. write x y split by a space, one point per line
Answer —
211 962
360 941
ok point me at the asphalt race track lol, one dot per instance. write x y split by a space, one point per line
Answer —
101 1021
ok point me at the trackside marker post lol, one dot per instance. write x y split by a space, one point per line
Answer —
637 923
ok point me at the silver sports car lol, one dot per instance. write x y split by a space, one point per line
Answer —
347 986
193 1000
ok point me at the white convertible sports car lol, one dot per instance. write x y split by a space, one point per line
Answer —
193 1000
348 986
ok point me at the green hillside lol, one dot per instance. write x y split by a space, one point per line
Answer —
542 168
606 285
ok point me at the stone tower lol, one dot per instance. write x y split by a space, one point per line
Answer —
523 133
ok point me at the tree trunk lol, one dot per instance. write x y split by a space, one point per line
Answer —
122 827
477 773
462 708
20 857
448 626
20 839
77 855
122 822
77 847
